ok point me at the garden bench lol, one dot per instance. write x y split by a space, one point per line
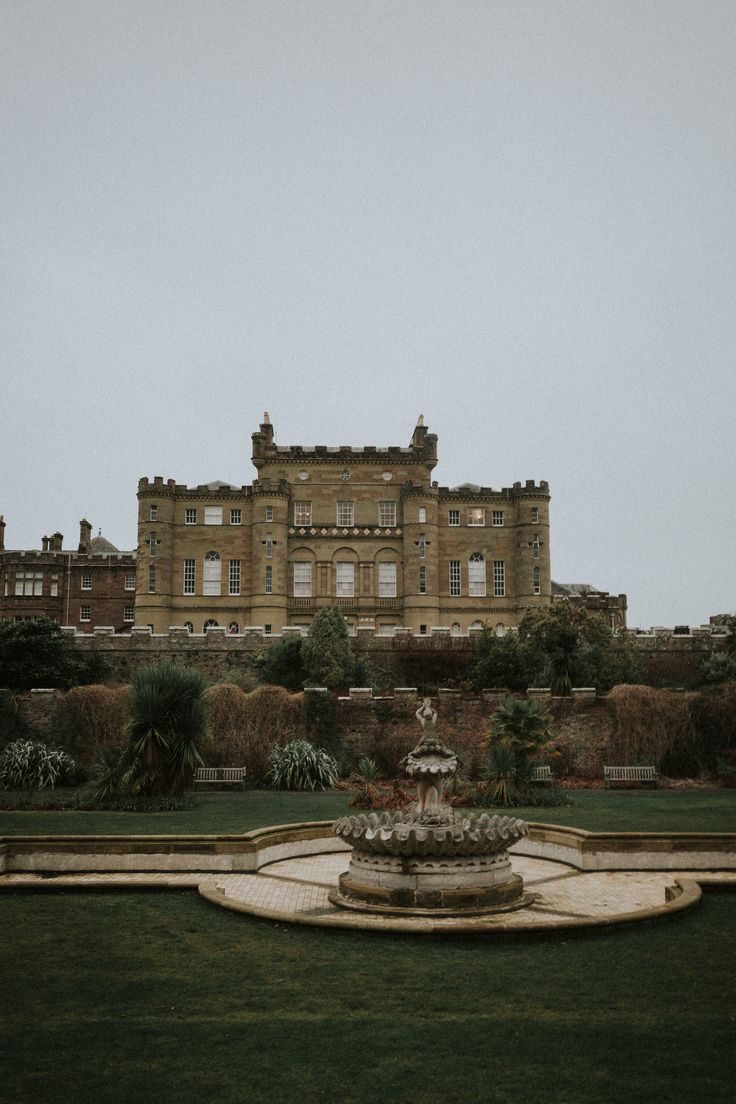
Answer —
220 776
542 774
630 774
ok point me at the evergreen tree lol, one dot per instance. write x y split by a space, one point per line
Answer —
326 653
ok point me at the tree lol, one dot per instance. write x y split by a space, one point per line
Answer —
36 653
568 646
500 661
284 664
326 653
167 723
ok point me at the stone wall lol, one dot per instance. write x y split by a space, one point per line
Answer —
670 658
385 727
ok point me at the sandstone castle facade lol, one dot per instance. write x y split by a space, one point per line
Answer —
364 528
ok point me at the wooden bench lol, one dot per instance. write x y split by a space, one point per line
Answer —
542 774
220 776
630 774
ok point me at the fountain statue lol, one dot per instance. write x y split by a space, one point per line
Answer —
428 859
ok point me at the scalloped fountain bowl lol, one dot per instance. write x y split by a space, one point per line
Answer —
430 860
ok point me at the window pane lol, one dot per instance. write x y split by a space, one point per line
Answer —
212 574
387 580
476 516
190 576
302 580
499 578
476 576
345 513
454 578
234 577
303 513
387 513
453 517
190 517
213 515
497 517
345 580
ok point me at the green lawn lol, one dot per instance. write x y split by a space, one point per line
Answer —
164 998
110 999
598 810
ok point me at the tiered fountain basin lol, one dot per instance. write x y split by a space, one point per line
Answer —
399 863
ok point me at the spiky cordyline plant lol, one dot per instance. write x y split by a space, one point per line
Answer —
167 722
300 765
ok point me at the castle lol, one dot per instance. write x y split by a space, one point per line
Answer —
364 528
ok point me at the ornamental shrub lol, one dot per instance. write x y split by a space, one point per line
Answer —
28 765
300 765
326 653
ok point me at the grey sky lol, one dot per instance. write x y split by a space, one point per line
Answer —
516 218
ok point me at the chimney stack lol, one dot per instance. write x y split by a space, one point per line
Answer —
2 532
44 544
56 542
85 536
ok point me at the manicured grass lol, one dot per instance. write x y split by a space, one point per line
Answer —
597 810
162 997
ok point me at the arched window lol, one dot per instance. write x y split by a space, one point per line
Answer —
210 623
212 574
233 628
455 628
476 625
476 575
500 629
189 626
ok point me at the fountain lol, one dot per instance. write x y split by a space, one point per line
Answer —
428 860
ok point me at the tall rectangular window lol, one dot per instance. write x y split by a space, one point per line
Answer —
477 576
86 581
269 545
537 580
422 515
303 513
128 614
535 515
453 517
54 592
85 613
236 517
499 578
496 517
302 579
233 586
387 514
476 515
422 545
152 579
422 580
130 581
535 547
212 574
345 579
190 576
268 586
190 516
387 580
153 513
152 542
213 515
345 514
454 578
269 513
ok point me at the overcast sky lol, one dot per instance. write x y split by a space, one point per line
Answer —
516 218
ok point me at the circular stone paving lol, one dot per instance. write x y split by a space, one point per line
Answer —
296 890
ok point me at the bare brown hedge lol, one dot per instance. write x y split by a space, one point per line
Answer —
243 727
87 718
653 726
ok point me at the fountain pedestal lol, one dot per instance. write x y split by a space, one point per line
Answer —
428 860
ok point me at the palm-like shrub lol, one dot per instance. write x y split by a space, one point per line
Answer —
167 722
300 765
521 723
519 729
28 765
